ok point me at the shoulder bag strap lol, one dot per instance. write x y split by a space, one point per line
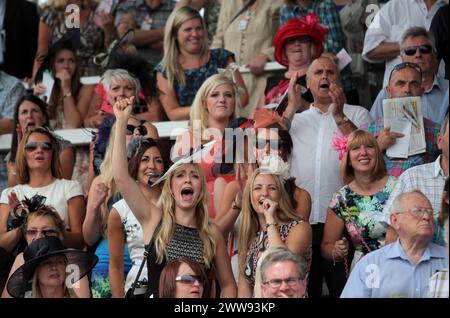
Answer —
246 5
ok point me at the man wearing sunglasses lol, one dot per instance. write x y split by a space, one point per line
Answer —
401 269
417 46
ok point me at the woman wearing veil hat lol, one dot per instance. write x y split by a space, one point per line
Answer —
46 266
178 225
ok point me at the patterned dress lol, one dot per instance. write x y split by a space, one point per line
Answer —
196 76
363 216
261 243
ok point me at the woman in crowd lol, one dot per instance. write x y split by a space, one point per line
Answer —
148 106
45 265
31 112
42 221
179 218
213 108
183 278
297 44
93 35
39 172
247 28
268 220
188 62
356 210
147 163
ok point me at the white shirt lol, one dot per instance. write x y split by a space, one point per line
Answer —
428 178
135 240
394 18
314 163
57 193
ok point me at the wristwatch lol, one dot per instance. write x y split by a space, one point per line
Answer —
343 121
68 94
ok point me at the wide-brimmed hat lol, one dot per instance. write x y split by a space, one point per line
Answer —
70 40
38 251
194 156
309 26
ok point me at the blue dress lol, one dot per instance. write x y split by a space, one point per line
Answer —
196 76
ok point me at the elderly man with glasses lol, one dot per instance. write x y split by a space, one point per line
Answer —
401 269
417 46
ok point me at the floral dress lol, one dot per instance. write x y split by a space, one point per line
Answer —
218 58
363 216
261 243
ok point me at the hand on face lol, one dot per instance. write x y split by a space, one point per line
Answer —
268 208
65 78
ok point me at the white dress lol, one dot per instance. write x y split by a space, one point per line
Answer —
135 241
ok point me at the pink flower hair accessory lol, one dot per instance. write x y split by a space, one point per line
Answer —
340 145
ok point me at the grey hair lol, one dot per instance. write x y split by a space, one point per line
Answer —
397 204
281 254
444 125
119 74
416 31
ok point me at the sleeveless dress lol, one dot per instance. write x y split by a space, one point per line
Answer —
185 243
260 244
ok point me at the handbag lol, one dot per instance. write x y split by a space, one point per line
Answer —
136 283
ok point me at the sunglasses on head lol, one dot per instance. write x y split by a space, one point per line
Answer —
403 65
141 128
274 144
189 279
424 49
33 145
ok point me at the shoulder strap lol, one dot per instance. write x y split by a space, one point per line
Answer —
146 253
246 5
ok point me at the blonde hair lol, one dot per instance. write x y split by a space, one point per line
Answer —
199 110
357 138
250 223
108 179
170 61
167 204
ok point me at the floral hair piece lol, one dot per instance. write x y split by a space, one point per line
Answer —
276 166
134 145
229 72
340 144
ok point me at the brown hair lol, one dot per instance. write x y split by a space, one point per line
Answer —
23 175
48 212
133 164
167 283
357 138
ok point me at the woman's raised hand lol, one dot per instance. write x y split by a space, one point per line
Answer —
123 107
269 208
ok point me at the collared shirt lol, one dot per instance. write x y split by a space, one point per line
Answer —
432 101
396 166
438 285
329 16
314 163
389 273
140 10
394 18
11 90
428 178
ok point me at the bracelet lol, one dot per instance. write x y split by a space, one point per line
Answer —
68 94
270 224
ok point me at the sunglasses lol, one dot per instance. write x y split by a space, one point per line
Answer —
424 49
189 279
33 145
131 128
45 232
403 65
274 144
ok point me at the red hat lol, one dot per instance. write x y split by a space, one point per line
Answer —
309 25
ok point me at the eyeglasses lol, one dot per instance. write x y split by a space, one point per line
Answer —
131 128
189 279
418 212
276 283
274 144
45 232
33 145
424 49
403 65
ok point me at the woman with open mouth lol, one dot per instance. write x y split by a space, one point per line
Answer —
31 112
178 225
268 220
